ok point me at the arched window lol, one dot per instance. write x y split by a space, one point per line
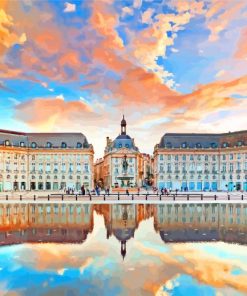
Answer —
48 145
64 145
184 145
79 145
33 145
22 144
7 143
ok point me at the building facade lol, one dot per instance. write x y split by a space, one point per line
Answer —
197 162
122 165
45 161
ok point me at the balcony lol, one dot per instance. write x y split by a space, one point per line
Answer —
238 171
177 172
184 171
192 172
199 172
169 171
55 171
214 172
206 171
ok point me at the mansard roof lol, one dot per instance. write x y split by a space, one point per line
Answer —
203 140
43 140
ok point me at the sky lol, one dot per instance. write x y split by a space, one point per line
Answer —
168 65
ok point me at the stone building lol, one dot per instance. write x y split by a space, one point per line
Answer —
45 161
197 162
122 165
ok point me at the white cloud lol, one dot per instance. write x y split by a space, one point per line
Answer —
127 10
14 101
137 3
44 84
220 73
61 97
69 7
174 49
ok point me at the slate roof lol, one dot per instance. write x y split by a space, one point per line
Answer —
194 140
72 140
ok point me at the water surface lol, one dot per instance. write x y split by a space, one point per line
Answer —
76 249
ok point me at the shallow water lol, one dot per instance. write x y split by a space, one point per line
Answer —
75 249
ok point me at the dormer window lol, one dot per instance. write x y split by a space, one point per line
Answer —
48 145
225 144
240 143
120 145
198 145
79 145
7 143
34 145
169 145
184 145
213 145
22 144
127 145
64 145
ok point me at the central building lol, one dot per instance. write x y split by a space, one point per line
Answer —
121 166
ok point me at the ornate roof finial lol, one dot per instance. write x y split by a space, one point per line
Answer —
123 126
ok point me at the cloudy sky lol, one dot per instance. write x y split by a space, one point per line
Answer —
169 66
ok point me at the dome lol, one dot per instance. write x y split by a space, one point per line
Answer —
123 137
124 234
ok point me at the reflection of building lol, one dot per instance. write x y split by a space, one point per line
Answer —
201 222
122 162
202 161
62 223
121 221
44 161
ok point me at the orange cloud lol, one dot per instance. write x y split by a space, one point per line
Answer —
241 52
45 113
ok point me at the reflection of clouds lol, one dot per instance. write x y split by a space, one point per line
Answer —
149 266
204 267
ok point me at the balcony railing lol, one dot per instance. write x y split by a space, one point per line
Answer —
238 171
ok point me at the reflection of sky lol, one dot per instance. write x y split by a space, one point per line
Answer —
96 267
